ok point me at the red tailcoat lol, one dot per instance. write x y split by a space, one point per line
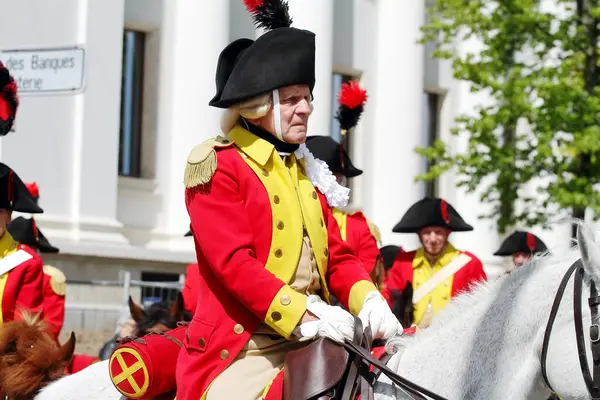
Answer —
190 287
22 286
54 299
414 268
253 205
355 230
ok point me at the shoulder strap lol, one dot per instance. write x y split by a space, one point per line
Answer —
453 267
13 260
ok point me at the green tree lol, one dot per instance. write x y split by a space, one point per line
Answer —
541 70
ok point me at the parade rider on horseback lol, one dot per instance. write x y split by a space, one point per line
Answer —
269 250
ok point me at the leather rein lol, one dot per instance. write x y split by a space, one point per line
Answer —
591 382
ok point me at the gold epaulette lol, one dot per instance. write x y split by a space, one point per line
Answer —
58 280
202 162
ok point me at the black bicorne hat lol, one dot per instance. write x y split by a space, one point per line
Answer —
389 254
521 241
9 102
331 152
189 233
431 212
25 231
281 57
14 195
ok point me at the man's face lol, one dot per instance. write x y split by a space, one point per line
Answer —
4 219
520 258
295 107
434 239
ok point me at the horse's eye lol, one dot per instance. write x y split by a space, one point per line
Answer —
11 347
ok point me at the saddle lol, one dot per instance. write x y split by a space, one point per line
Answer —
325 370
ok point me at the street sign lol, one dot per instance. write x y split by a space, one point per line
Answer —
44 71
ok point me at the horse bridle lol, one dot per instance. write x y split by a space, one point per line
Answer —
591 382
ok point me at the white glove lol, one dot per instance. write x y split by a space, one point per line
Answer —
377 314
334 322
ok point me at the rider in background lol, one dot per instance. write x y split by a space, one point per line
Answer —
521 246
26 232
269 249
437 270
360 234
21 276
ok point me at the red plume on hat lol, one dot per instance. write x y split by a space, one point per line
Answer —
33 189
269 14
9 102
530 242
352 99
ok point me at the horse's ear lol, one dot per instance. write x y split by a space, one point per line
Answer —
68 349
408 292
177 308
590 252
137 313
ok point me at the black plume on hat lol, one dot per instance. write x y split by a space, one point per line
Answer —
431 212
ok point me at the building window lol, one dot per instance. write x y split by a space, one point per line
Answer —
336 131
130 138
431 127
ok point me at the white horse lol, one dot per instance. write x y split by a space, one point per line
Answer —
488 344
485 345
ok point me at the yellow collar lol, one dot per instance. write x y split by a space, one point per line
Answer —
254 147
447 255
7 244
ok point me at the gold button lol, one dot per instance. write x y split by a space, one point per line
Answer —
276 199
445 297
278 253
224 354
314 194
276 315
280 225
286 299
265 172
326 252
201 343
238 329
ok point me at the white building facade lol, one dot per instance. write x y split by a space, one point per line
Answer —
109 157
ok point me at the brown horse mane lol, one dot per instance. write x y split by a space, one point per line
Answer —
30 357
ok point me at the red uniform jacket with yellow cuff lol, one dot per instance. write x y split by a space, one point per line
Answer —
54 298
361 235
248 220
22 286
414 267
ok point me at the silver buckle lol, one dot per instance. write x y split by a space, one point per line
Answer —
595 333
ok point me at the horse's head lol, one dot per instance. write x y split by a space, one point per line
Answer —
30 358
158 317
402 305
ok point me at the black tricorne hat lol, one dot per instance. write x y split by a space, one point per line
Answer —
9 102
521 241
328 150
281 57
388 255
14 195
431 212
25 231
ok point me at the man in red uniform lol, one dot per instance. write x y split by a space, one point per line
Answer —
360 234
21 272
269 249
437 270
521 246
